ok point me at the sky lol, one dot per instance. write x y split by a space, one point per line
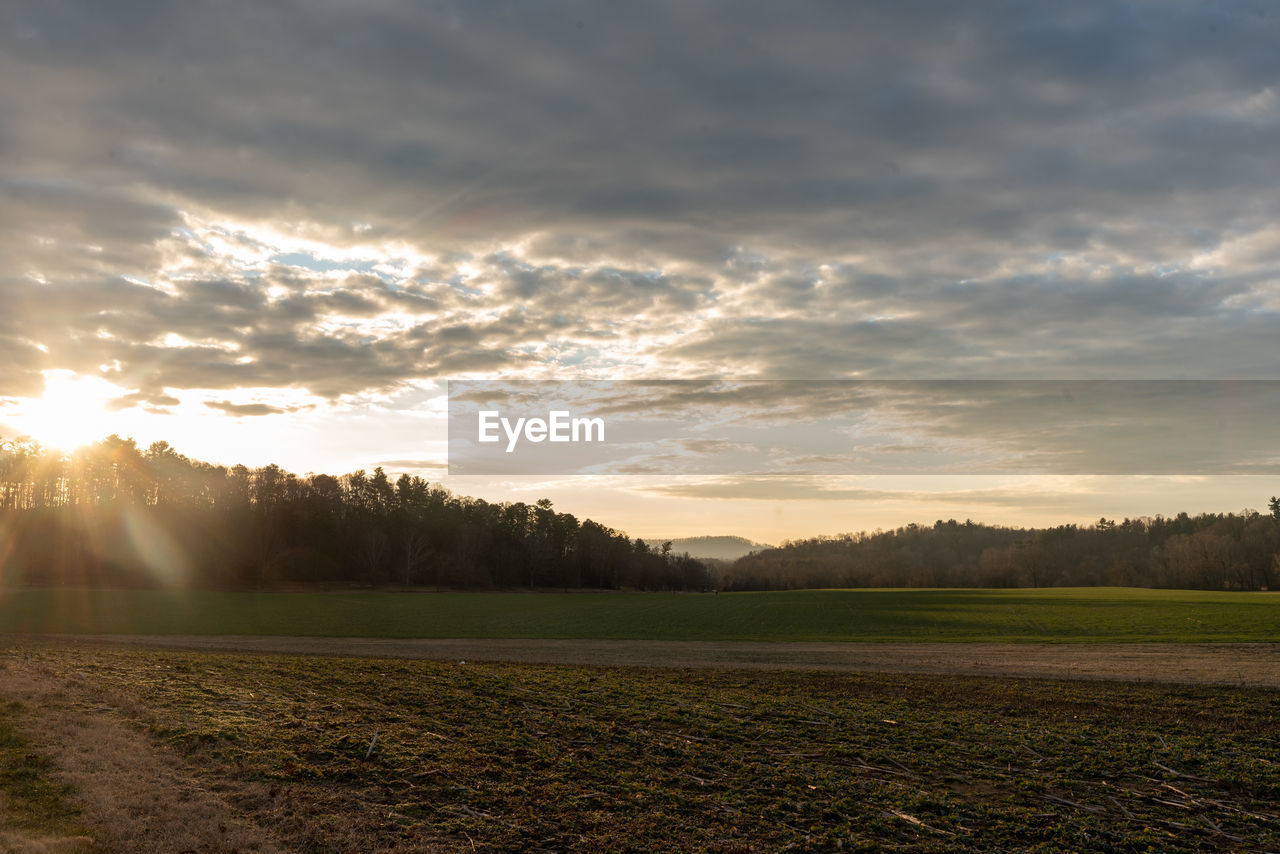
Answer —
273 232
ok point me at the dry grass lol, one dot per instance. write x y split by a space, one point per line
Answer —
15 842
36 812
136 794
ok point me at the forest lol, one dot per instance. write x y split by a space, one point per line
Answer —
1210 551
112 514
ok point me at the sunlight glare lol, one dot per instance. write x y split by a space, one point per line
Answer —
70 414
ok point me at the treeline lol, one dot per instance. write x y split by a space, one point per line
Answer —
115 515
1232 551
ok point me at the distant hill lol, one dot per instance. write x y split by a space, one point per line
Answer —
1211 551
719 548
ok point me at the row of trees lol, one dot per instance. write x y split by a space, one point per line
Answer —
1235 551
115 514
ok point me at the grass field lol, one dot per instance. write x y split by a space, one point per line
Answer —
1057 615
528 758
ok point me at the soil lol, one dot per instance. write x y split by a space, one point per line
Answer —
139 795
1255 665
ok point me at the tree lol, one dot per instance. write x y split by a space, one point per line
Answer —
416 549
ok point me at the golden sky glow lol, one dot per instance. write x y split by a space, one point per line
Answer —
71 412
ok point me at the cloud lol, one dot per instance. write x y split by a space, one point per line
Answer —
836 489
147 400
432 467
249 409
365 197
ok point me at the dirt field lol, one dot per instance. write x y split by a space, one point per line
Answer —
1253 665
232 754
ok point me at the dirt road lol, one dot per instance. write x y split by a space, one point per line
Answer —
1219 664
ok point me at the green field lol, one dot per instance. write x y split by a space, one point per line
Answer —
1079 615
490 757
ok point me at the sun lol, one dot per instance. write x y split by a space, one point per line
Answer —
70 414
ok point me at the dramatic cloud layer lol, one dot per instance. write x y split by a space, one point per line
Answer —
348 196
